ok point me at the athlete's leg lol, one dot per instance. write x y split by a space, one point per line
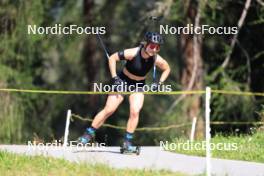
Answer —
136 101
112 103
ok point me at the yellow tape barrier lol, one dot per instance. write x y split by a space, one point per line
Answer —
165 127
235 123
149 93
99 93
138 129
237 93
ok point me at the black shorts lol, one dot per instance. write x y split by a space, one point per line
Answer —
130 84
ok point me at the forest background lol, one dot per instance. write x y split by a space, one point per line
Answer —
232 62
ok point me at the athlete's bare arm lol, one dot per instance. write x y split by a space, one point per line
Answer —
164 66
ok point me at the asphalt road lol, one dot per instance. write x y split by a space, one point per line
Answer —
150 158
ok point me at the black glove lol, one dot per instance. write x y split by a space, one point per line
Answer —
117 81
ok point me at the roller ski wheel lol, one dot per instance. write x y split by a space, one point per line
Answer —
130 149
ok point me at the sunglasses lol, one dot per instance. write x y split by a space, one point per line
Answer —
154 46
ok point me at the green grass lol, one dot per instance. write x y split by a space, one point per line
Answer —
245 147
13 164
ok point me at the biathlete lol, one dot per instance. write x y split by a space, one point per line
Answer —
139 61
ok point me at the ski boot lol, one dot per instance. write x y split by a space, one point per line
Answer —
86 138
128 148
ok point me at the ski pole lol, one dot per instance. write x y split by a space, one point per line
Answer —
103 45
154 20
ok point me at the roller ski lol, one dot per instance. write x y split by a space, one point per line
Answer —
87 138
128 148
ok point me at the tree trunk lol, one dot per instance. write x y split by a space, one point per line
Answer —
191 79
91 62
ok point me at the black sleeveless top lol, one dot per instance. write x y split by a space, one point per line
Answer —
138 65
